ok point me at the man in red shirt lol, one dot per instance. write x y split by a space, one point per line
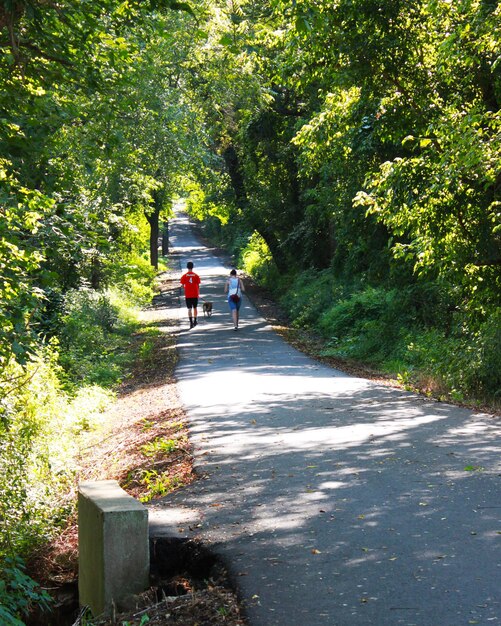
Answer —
191 282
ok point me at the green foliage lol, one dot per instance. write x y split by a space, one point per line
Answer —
31 481
20 213
134 276
368 325
93 339
19 593
93 139
375 325
146 350
160 446
94 134
40 423
159 484
309 295
437 200
466 361
83 413
257 261
417 333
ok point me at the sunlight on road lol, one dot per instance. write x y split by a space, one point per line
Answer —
316 482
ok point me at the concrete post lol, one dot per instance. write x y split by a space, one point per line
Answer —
114 561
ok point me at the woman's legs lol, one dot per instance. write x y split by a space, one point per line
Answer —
235 314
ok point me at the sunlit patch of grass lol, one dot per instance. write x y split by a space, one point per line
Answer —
159 484
87 407
147 424
159 446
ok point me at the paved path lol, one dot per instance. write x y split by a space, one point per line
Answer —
334 500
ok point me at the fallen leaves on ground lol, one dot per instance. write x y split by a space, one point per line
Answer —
147 410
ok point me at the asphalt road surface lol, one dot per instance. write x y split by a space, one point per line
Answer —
332 499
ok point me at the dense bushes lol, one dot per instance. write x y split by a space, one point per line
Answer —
32 477
92 343
45 405
415 334
256 260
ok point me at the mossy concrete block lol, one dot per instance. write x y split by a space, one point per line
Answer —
114 562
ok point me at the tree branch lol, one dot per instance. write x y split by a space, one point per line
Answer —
49 57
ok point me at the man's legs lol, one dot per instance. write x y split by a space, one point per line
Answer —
191 304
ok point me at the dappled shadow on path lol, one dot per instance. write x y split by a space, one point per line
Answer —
335 500
388 497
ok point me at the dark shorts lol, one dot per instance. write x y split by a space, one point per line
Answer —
191 303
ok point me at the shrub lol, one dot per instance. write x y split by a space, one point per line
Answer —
469 360
487 373
31 398
134 278
257 261
453 355
362 323
18 593
309 295
89 306
94 341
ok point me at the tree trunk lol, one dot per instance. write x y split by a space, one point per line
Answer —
95 273
154 241
276 249
232 162
153 221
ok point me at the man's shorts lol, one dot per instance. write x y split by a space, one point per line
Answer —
191 303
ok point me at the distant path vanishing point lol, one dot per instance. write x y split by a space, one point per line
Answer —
332 499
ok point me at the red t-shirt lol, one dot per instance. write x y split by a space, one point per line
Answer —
190 282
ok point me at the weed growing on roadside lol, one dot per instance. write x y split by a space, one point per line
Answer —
159 484
416 333
159 446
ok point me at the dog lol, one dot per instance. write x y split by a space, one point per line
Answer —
207 309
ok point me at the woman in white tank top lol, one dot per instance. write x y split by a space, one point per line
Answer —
234 288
